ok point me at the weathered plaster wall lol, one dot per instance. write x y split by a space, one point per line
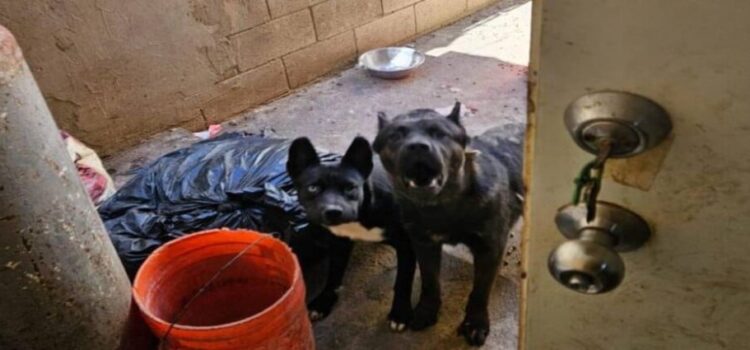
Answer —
116 71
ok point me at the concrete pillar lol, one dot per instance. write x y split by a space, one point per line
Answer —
61 283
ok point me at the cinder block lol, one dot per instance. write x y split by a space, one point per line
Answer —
282 7
478 4
244 91
393 5
391 29
432 14
320 58
335 16
273 39
230 16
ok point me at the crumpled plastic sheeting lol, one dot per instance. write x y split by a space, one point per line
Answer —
234 181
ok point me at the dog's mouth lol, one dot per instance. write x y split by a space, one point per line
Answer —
423 177
434 182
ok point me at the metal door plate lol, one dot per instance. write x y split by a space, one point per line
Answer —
634 123
627 228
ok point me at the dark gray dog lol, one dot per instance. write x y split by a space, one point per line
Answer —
453 189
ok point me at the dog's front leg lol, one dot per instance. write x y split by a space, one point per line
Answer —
321 306
401 312
476 325
428 257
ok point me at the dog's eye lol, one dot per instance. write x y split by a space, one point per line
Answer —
350 188
313 189
437 133
399 133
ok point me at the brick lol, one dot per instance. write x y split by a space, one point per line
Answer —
222 59
335 16
432 14
244 91
478 4
282 7
245 14
230 16
318 59
391 29
273 39
393 5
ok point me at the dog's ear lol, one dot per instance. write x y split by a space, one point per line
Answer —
359 156
302 155
378 143
382 121
455 115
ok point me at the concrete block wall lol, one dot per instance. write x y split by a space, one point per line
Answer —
114 72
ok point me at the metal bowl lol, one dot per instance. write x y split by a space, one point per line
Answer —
391 62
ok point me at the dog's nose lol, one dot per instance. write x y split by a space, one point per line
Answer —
333 213
418 146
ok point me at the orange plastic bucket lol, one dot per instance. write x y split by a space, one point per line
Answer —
257 302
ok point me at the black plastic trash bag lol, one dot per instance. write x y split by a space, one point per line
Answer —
234 181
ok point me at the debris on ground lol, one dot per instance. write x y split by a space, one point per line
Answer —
212 131
95 179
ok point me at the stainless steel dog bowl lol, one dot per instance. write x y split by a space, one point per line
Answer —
391 62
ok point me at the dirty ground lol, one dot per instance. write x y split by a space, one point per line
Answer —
480 61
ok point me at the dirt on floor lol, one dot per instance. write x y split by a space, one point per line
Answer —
480 61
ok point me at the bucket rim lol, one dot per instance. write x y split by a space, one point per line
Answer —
177 326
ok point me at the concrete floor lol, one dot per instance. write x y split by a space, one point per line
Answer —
480 61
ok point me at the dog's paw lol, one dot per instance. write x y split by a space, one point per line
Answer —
399 317
315 315
474 331
424 316
397 326
321 306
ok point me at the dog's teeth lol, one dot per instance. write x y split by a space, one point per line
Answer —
434 183
412 184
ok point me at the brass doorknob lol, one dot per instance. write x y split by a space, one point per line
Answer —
589 263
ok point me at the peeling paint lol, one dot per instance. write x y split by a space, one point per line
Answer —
639 171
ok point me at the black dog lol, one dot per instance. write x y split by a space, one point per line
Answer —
353 201
453 189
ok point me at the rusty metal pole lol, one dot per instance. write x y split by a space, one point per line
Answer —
61 283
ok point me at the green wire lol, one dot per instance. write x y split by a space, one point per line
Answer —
583 178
